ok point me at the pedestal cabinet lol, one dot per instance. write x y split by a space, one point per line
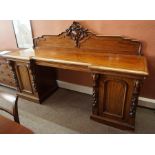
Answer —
115 99
28 86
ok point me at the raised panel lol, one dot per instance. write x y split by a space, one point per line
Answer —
114 97
24 79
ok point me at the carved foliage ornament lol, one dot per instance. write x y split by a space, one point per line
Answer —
134 100
95 93
77 33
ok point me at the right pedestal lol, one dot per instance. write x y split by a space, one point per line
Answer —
115 97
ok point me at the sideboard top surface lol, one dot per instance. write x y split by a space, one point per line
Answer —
105 61
78 46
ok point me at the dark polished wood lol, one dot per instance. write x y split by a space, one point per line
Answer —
8 126
116 63
26 83
116 100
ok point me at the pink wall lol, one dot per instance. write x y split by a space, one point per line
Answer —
7 36
140 30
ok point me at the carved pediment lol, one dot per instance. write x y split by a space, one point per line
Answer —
79 38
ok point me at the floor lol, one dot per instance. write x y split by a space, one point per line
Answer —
68 112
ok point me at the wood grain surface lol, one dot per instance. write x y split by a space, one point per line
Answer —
10 127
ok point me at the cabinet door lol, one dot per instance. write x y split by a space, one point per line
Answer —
24 78
115 94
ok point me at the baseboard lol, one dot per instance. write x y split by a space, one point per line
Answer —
147 99
75 87
146 102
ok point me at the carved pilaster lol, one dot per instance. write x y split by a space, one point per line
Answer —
32 69
134 100
95 93
13 71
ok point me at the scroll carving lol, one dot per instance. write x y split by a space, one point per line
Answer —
95 93
134 99
13 71
77 33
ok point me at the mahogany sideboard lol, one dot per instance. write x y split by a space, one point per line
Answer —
116 64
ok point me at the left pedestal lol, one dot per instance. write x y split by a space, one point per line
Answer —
34 83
